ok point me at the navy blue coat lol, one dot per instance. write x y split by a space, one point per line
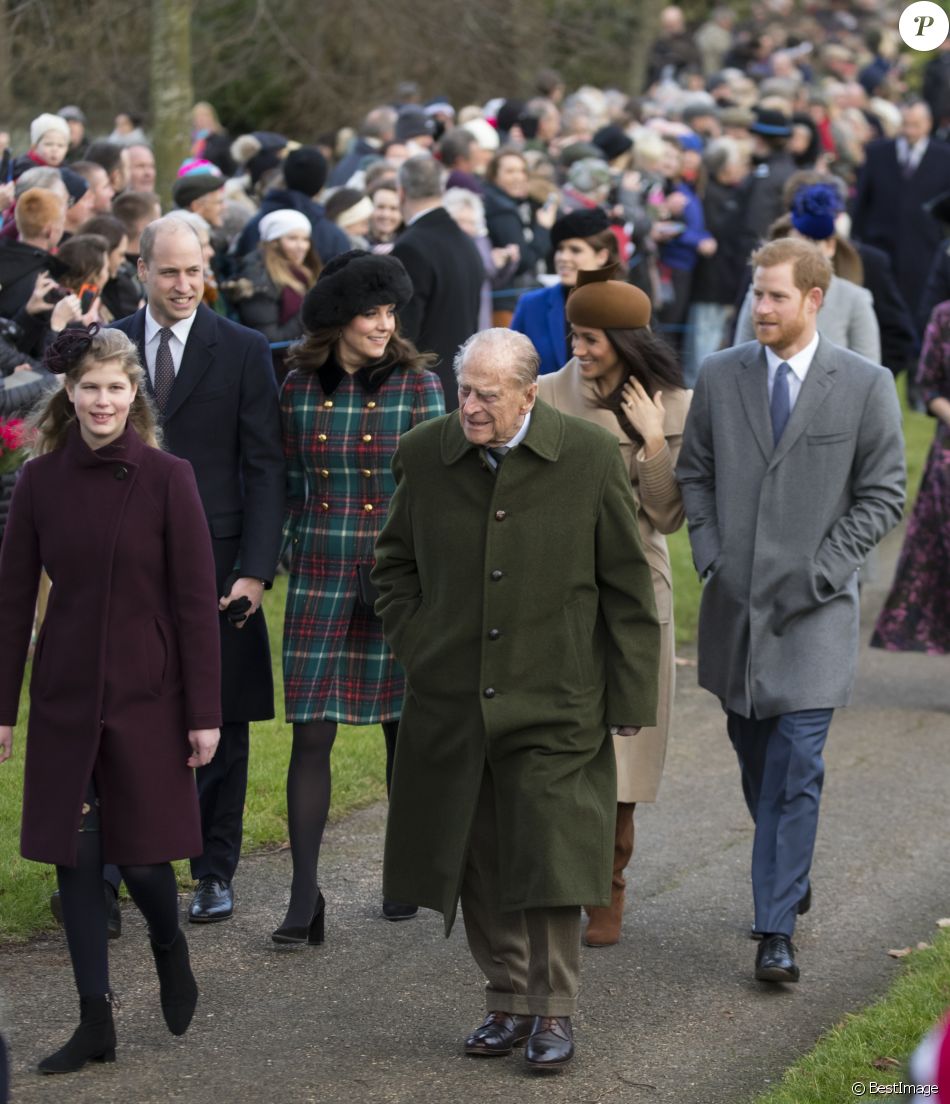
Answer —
223 417
540 316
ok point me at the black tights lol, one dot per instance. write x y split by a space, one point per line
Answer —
153 888
308 805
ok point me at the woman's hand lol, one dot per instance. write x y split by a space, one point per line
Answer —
6 742
204 743
37 303
646 415
66 310
547 213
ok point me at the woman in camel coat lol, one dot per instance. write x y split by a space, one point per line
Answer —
625 379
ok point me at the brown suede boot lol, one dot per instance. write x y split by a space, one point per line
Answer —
603 930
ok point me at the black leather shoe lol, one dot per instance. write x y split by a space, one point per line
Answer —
114 920
497 1035
803 906
213 901
394 911
550 1045
775 959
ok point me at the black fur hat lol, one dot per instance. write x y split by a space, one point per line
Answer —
583 223
352 283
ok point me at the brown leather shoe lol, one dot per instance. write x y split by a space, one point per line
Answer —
498 1034
550 1046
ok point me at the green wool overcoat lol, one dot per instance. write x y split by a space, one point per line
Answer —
521 607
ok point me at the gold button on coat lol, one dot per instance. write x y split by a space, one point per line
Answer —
328 403
366 472
371 406
322 437
325 473
367 437
368 507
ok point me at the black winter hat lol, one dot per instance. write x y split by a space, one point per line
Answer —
305 170
412 122
187 189
351 283
583 223
612 141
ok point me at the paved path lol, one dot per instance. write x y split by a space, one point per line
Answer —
669 1015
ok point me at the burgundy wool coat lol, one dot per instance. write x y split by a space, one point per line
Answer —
128 657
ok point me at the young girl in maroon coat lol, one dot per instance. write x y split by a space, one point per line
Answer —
125 691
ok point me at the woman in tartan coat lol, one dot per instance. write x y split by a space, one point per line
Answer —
356 385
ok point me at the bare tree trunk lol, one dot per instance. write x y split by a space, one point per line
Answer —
172 94
646 15
6 66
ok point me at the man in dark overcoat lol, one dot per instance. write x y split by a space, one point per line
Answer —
445 268
899 176
214 386
791 470
514 592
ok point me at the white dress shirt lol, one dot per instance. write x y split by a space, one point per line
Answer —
799 364
176 344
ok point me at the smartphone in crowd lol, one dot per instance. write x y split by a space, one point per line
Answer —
87 296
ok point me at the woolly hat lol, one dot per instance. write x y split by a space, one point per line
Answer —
76 185
589 174
351 283
258 152
72 112
305 170
814 209
583 223
612 141
509 114
484 134
187 189
43 124
359 211
285 221
413 122
771 123
605 304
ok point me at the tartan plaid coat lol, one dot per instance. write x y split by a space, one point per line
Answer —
340 432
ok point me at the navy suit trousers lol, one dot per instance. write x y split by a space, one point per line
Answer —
782 771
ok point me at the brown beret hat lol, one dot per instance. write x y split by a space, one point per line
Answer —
605 304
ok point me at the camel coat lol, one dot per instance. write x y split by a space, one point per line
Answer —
659 511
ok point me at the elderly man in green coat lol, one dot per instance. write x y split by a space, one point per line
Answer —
514 592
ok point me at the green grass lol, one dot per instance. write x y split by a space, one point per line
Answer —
358 756
888 1029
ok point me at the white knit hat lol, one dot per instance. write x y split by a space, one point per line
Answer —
42 124
483 133
285 221
360 210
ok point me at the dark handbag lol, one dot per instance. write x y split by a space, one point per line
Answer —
366 593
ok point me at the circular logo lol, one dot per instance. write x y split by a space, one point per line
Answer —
924 25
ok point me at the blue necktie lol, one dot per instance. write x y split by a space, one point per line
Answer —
780 406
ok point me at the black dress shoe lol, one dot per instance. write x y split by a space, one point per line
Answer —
775 959
550 1045
114 919
213 901
497 1035
312 933
803 906
394 911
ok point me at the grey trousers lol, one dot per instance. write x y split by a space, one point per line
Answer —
530 958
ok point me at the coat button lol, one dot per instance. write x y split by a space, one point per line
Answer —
368 507
121 473
367 437
496 575
324 506
366 472
321 437
325 473
328 403
371 406
500 515
489 692
493 634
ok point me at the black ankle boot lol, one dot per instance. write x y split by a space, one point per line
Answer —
179 990
92 1041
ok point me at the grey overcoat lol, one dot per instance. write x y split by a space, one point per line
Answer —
784 530
521 607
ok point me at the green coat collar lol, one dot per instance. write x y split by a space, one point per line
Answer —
545 435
